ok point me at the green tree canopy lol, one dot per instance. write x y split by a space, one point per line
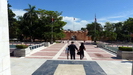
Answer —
50 21
30 22
13 25
94 30
39 24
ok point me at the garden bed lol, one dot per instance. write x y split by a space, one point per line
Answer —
125 53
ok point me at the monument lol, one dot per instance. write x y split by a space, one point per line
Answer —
4 40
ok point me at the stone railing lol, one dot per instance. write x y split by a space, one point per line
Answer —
31 49
113 47
106 46
100 44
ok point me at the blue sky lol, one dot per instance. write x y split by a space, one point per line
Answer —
82 10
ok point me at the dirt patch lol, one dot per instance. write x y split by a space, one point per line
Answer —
99 55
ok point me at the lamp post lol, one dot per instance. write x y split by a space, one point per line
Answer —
95 30
52 34
52 31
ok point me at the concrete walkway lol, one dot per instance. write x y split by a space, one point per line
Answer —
107 62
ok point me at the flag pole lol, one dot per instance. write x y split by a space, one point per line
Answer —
95 22
52 31
73 23
73 28
95 30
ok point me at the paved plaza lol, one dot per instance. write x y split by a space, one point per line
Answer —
52 60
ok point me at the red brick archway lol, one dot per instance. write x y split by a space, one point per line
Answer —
79 35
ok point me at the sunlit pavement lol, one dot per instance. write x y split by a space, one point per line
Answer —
107 61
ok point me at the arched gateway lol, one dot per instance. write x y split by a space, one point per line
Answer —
76 35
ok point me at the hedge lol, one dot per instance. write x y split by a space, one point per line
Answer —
21 46
125 48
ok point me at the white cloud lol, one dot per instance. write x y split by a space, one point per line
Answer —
76 24
110 18
18 12
122 16
72 23
119 17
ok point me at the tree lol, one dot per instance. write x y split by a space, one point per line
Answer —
109 27
109 33
129 25
118 30
30 21
94 30
83 29
49 20
13 25
21 27
128 28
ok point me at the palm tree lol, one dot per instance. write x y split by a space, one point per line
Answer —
30 17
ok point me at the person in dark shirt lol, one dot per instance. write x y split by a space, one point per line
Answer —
81 49
72 48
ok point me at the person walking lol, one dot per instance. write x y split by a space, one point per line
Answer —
81 49
72 48
67 52
68 41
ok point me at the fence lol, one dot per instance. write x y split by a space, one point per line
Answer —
113 47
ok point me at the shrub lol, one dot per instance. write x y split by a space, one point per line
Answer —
126 48
58 42
21 46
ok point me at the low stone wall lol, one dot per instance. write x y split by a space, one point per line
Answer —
102 45
125 54
30 49
47 44
21 52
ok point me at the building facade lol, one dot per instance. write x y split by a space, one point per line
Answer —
76 35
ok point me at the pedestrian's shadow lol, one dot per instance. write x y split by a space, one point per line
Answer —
116 58
125 61
88 43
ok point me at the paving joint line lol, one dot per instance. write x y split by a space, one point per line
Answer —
86 55
59 52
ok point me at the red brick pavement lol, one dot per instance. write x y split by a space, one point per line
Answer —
94 53
99 54
49 52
